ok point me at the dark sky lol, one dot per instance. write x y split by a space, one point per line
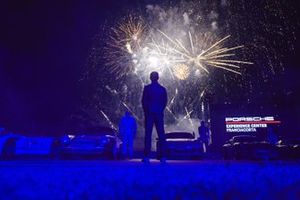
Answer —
43 50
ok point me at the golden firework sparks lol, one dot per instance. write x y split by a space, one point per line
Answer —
215 55
181 71
123 42
132 47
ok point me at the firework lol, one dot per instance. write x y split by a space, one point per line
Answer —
181 71
193 41
123 42
130 47
137 48
216 55
108 120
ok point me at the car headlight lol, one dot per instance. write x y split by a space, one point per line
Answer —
103 141
71 136
67 138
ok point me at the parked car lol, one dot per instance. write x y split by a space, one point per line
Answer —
96 142
181 145
3 142
27 146
248 147
289 149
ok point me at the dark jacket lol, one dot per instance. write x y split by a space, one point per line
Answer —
154 98
204 133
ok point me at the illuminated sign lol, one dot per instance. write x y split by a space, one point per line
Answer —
248 124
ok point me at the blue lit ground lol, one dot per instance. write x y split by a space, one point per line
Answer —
133 180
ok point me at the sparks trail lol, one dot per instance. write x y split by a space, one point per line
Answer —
216 55
123 42
108 120
187 116
115 93
135 46
168 108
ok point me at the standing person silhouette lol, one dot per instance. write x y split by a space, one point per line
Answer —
204 135
154 102
127 130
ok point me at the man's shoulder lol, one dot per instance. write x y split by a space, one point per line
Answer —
160 86
151 85
163 87
155 86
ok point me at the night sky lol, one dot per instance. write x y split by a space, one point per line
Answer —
44 48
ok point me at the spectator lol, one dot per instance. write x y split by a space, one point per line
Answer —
127 130
204 135
154 102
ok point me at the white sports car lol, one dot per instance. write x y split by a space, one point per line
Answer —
24 146
96 142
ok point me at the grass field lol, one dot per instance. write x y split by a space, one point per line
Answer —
46 179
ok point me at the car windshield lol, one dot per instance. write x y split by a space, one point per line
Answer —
186 135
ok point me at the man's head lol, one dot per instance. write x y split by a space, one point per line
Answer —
202 123
154 76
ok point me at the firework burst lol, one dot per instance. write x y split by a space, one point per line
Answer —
123 43
132 48
182 53
216 55
181 71
191 45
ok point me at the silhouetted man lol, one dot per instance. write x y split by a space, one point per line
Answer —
204 135
127 130
154 102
